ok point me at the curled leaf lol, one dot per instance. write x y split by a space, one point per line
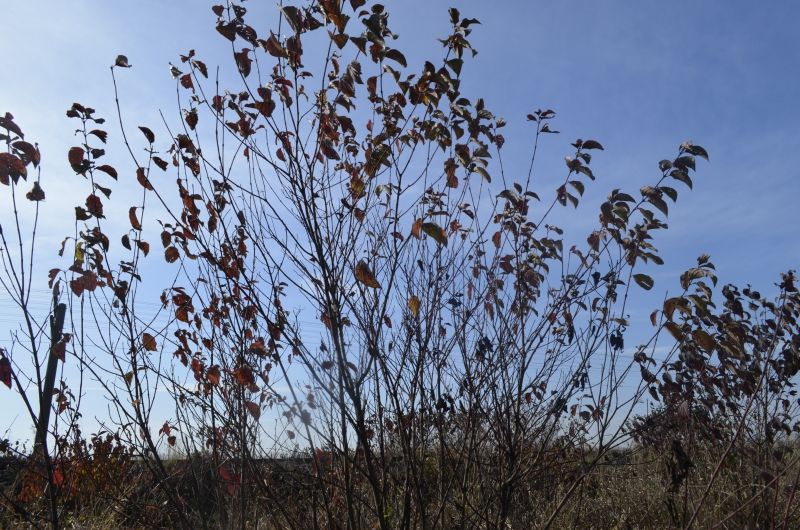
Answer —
436 232
365 275
36 194
134 221
122 62
151 138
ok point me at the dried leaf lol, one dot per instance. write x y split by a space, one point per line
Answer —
148 134
365 275
134 221
122 62
436 232
253 409
414 305
149 342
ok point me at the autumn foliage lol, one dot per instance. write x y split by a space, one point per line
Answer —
475 367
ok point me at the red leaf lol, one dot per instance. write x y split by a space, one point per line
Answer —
58 478
75 157
231 480
186 81
94 205
5 372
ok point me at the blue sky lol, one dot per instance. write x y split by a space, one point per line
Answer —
640 77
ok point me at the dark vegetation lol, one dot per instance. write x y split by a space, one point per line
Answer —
473 372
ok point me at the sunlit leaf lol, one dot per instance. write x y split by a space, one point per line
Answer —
365 275
414 305
436 232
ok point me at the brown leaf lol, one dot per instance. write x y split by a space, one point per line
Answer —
11 166
134 221
171 254
36 194
253 409
161 163
149 342
705 340
191 118
213 375
365 275
28 152
60 351
496 239
94 205
436 232
416 228
273 47
143 180
144 246
148 134
75 157
227 30
105 168
186 82
243 61
122 62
